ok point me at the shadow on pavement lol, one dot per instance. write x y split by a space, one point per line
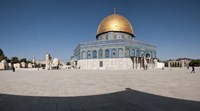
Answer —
127 100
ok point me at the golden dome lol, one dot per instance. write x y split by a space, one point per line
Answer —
115 23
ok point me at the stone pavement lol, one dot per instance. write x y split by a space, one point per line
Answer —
100 90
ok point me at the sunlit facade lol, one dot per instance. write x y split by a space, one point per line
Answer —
115 48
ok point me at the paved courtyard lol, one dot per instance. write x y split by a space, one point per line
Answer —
100 90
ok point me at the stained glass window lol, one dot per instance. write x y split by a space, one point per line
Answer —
100 53
127 52
107 53
113 53
132 52
89 54
94 53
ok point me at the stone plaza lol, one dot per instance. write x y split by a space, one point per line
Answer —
100 90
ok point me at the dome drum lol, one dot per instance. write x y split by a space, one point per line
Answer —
114 36
114 32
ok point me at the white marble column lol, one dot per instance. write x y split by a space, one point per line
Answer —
182 64
141 62
136 62
150 62
155 62
169 64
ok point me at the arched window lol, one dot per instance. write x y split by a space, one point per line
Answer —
120 52
142 54
148 55
89 55
94 54
123 36
138 53
100 53
84 55
106 37
115 36
113 53
132 52
100 37
127 54
107 53
153 54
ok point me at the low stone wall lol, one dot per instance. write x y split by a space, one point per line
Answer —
111 63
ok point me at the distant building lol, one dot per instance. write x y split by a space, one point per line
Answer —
4 65
179 63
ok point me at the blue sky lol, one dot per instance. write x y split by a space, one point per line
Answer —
35 27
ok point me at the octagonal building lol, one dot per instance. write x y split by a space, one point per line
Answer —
115 48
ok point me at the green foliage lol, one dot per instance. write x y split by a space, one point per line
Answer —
1 52
9 61
2 56
28 61
195 63
14 60
23 60
166 63
183 59
68 63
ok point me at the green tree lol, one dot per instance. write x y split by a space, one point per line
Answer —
14 60
2 56
28 61
166 63
8 60
195 63
68 63
1 52
23 60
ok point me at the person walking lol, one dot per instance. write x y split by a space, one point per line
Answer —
13 68
193 69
